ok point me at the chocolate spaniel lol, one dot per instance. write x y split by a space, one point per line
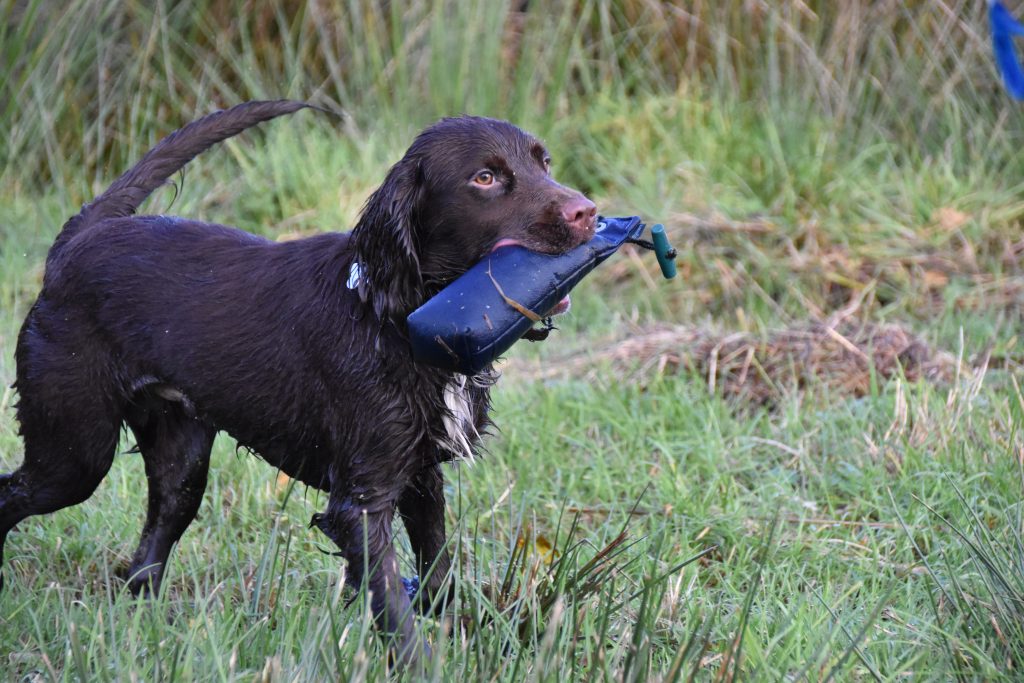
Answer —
179 329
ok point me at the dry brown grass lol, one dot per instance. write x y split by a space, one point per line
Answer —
842 357
936 267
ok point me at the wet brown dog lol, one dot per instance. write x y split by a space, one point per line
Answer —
180 329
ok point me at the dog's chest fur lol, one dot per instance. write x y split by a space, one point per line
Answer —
460 431
465 408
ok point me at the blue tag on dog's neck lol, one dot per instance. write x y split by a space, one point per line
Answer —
353 276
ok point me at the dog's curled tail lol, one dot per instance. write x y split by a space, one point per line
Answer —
125 195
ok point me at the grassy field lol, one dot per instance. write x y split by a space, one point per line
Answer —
801 497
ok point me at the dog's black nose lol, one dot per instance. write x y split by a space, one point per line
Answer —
579 213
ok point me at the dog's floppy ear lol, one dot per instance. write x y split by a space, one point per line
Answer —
385 241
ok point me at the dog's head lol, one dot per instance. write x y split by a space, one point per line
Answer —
465 187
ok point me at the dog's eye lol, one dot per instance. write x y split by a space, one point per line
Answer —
547 164
483 179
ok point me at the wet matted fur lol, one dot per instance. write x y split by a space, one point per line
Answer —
179 329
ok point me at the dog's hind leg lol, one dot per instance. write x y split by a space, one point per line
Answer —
175 447
422 509
67 454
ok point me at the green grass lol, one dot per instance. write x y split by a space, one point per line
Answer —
847 538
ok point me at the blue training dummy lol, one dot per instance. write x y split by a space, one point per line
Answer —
1004 28
476 318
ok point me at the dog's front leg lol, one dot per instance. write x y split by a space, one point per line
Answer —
362 531
421 506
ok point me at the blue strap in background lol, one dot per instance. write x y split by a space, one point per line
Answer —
1004 28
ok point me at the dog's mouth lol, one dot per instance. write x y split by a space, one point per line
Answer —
562 306
507 242
553 248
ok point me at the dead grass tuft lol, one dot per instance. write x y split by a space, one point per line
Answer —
842 357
